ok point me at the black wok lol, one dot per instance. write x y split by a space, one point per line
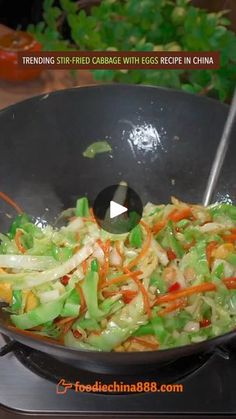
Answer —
42 168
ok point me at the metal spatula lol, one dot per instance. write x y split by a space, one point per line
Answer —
220 153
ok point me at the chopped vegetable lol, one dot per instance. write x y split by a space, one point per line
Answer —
96 148
19 245
90 288
10 201
16 301
144 248
72 305
40 315
82 207
136 237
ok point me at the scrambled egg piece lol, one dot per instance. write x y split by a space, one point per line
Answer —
31 301
5 290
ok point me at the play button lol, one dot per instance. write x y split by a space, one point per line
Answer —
117 209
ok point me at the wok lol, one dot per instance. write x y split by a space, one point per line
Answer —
163 144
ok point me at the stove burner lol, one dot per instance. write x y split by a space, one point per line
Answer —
208 383
54 370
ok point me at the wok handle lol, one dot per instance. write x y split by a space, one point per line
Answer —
9 347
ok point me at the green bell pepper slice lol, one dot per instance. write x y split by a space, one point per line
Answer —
136 237
16 301
40 315
19 222
157 281
183 223
82 207
159 329
90 290
72 305
145 329
61 254
172 241
94 265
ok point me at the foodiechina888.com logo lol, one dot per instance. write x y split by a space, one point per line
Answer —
118 387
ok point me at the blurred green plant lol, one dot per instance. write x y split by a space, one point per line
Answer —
145 25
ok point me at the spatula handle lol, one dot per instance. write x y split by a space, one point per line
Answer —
220 153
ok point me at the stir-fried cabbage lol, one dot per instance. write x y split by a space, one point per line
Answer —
171 281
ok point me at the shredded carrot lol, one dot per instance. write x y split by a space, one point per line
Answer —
91 217
179 215
91 213
117 247
64 320
67 326
106 250
159 226
206 286
82 299
144 292
210 248
144 342
172 307
229 282
10 201
175 216
120 278
107 293
78 240
144 249
104 269
84 266
127 295
229 238
20 247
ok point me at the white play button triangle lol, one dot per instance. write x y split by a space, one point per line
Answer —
116 209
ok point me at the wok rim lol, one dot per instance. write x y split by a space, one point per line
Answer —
64 349
116 86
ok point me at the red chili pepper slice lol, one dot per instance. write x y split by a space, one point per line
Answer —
174 287
171 255
65 280
204 323
77 334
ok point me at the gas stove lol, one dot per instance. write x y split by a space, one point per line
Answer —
35 383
